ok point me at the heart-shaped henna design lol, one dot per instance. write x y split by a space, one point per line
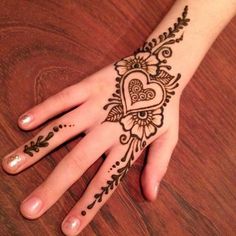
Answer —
139 93
144 89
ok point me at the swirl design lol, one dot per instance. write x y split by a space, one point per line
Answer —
138 93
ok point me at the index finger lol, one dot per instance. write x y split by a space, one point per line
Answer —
66 99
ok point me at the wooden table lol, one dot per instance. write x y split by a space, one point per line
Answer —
48 45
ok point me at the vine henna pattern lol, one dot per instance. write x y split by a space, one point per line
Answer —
34 146
144 87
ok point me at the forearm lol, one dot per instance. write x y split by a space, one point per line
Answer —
207 19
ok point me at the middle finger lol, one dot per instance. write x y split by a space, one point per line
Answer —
68 171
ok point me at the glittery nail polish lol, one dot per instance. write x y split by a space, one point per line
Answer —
71 225
25 119
13 161
32 205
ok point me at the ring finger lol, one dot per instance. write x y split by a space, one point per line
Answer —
100 189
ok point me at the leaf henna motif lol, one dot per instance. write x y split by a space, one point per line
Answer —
171 33
115 178
164 77
115 113
143 88
42 141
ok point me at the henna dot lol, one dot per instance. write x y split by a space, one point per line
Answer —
110 168
83 213
117 163
136 65
55 129
143 114
65 125
60 126
114 166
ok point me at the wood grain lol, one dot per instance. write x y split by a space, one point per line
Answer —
43 43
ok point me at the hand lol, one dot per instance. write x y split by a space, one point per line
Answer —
122 109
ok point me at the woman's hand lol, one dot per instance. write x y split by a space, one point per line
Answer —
122 109
105 130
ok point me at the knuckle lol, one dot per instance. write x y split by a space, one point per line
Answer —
64 95
77 161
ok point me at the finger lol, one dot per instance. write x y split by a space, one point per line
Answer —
68 171
50 137
98 192
56 104
158 158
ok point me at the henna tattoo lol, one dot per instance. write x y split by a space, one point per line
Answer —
115 178
144 88
171 33
42 141
138 93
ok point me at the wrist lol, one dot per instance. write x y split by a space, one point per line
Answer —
208 18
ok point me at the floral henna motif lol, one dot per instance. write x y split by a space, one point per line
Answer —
144 88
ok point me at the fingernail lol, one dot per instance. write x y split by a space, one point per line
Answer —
26 119
32 205
71 225
14 161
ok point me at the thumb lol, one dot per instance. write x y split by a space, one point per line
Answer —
158 158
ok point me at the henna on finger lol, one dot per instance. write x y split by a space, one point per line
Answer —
15 160
144 87
42 141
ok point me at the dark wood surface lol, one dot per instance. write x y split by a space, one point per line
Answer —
48 45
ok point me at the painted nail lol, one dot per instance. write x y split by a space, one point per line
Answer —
13 161
25 119
71 225
32 205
